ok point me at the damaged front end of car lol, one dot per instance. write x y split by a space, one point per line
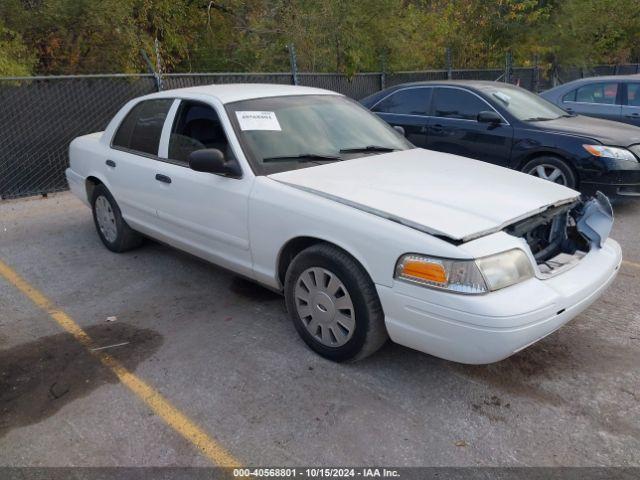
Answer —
561 236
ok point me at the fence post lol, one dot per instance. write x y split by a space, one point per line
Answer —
508 67
294 63
383 71
536 74
157 79
448 63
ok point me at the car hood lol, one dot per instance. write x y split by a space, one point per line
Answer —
604 131
441 194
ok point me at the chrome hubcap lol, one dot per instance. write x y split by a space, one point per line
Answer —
549 172
325 307
106 219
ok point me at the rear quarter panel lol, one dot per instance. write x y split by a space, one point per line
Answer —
87 155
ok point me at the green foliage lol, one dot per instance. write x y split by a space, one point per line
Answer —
89 36
15 58
606 30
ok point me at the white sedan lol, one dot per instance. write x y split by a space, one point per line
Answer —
369 238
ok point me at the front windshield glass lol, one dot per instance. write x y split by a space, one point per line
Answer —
285 133
524 105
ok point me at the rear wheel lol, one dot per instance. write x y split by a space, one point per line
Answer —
333 304
114 232
552 169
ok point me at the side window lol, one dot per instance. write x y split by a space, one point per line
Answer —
196 126
569 97
633 94
456 103
411 101
141 129
604 93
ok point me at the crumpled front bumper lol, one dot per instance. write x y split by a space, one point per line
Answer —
478 329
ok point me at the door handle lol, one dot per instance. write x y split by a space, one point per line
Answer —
163 178
633 115
437 128
110 163
568 109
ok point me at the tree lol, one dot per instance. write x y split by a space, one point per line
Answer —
15 58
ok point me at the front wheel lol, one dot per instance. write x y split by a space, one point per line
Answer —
333 304
112 229
552 169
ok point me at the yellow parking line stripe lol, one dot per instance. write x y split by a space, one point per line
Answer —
151 397
631 264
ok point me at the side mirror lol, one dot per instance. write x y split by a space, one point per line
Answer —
489 116
211 160
400 130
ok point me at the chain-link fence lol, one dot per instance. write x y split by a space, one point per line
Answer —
39 116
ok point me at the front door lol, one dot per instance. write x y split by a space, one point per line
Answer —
200 212
454 128
599 99
631 108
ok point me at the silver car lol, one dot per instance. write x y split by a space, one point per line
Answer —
613 98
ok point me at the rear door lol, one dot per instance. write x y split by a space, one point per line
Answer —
631 107
408 108
454 128
132 159
598 99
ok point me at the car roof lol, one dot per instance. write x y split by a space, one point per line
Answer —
474 85
635 76
587 80
233 92
479 84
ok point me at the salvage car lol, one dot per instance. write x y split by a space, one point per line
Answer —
306 192
512 127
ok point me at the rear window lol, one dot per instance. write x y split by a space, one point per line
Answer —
141 129
410 101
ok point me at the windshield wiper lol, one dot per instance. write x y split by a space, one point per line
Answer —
303 157
368 148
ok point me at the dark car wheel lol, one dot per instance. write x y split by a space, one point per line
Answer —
553 169
334 304
114 232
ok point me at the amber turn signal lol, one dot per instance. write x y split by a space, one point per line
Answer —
429 271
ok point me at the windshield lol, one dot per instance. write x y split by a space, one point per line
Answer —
285 133
524 105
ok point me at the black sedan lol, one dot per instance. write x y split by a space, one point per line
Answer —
509 126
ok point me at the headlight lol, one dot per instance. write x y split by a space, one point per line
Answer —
610 152
506 268
466 276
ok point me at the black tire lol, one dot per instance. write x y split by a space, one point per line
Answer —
370 332
549 162
125 238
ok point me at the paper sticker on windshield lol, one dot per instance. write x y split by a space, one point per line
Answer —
252 120
502 96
